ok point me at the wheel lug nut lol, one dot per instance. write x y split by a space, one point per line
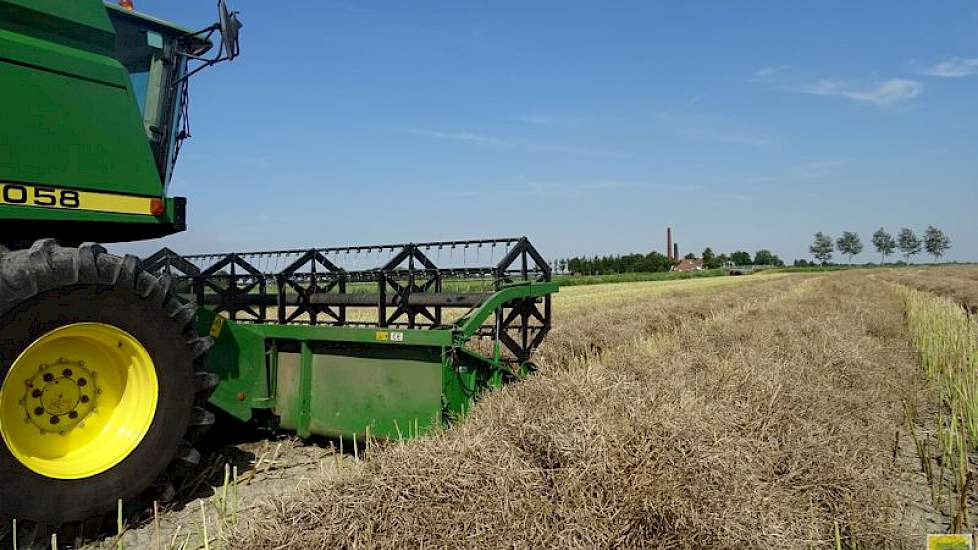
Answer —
55 420
82 382
72 415
66 373
48 377
36 393
39 411
85 399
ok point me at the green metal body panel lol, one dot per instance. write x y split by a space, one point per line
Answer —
347 387
76 24
76 123
353 382
239 359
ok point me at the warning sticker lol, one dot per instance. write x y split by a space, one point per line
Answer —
216 326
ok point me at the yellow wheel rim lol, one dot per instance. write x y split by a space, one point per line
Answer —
78 401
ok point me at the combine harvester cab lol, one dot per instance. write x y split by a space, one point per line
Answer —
381 341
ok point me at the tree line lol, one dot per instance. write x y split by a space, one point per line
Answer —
934 241
656 261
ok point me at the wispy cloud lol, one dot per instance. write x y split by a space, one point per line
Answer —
816 169
723 136
469 137
556 121
739 197
538 188
537 146
254 162
954 67
579 189
765 73
888 92
526 145
568 189
694 128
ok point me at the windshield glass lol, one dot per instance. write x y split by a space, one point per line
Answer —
151 59
140 84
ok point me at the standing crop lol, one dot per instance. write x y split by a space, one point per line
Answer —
946 337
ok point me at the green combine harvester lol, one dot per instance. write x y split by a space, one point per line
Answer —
111 366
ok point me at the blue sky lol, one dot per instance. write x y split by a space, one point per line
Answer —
588 127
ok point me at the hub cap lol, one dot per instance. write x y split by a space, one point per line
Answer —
78 401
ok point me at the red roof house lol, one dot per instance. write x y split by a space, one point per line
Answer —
688 265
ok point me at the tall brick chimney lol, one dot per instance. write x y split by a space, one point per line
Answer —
669 243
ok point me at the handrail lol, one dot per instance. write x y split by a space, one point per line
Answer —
469 325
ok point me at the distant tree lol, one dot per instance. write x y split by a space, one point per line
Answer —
849 244
628 263
908 243
710 259
653 261
690 256
936 242
765 257
884 243
723 260
740 257
801 263
822 248
574 266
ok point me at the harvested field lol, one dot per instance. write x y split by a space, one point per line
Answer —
616 294
777 410
277 468
756 415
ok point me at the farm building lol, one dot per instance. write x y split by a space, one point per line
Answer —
689 265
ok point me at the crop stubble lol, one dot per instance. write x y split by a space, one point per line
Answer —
755 415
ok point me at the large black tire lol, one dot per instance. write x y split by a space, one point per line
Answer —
47 286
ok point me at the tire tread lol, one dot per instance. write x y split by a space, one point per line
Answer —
46 266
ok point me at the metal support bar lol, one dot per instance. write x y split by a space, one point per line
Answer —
304 415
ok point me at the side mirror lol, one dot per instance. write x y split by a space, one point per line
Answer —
230 25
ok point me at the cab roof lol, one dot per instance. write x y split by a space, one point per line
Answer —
199 44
